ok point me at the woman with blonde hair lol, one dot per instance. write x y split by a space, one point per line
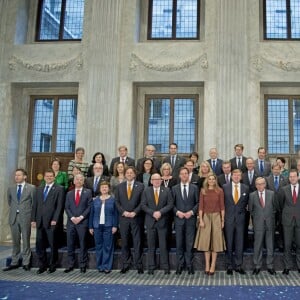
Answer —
204 170
209 236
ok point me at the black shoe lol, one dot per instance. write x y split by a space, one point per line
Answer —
140 271
298 270
51 270
229 272
68 270
286 271
272 271
178 271
151 272
256 271
124 270
82 269
107 271
41 270
191 271
10 267
26 267
240 270
167 272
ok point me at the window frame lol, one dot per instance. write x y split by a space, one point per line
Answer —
61 24
173 37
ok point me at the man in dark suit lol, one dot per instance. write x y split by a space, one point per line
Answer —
262 207
186 199
193 178
78 206
225 177
93 183
20 198
236 196
262 166
128 201
46 212
215 162
239 161
289 203
157 202
174 160
149 153
123 151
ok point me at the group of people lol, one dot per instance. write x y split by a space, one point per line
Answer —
210 205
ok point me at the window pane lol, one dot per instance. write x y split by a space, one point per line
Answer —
66 125
296 124
278 126
42 125
159 124
295 19
186 19
276 23
73 19
161 26
184 124
50 20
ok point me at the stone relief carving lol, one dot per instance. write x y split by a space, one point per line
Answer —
16 62
168 67
258 62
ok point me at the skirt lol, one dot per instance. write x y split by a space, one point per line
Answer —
210 237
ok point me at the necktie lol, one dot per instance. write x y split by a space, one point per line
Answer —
236 194
276 183
239 163
77 197
294 195
261 168
123 160
156 196
19 192
226 178
184 193
214 165
96 184
102 213
261 200
46 192
129 190
250 177
172 161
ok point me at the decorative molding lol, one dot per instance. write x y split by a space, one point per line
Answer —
258 62
16 62
170 67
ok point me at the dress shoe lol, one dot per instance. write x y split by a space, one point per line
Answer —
211 273
82 269
140 271
100 271
286 271
167 272
272 271
240 270
41 270
51 270
68 270
206 272
229 272
298 270
256 271
178 271
107 271
191 271
26 267
124 270
10 267
151 272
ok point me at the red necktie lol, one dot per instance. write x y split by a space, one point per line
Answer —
77 197
294 195
261 200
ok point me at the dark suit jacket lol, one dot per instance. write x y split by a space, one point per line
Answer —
190 204
283 181
289 210
140 162
218 168
89 184
179 162
235 213
43 212
83 209
222 179
165 204
267 168
134 203
234 165
245 180
110 212
128 161
262 216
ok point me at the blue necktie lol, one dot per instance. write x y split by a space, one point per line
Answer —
276 183
19 192
239 163
46 192
184 193
96 184
214 165
261 168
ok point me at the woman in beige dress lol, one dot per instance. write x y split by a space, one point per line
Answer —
211 222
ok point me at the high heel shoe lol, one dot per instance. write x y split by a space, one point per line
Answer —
206 272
